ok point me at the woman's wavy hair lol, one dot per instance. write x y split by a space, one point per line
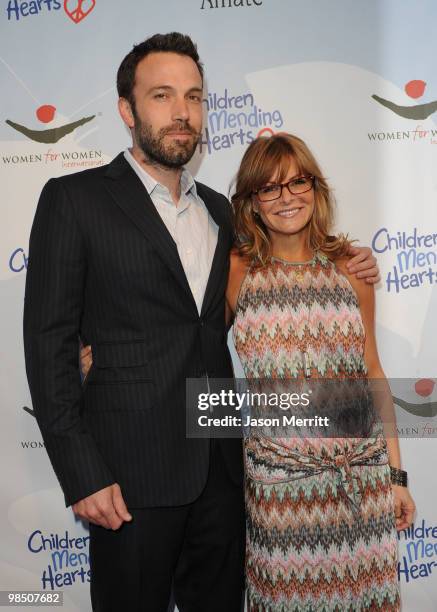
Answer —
270 156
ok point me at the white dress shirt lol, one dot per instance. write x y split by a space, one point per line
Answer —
189 224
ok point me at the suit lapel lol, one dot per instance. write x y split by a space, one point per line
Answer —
129 193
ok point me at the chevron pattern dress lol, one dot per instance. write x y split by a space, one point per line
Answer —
321 531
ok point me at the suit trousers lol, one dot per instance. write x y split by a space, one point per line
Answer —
196 549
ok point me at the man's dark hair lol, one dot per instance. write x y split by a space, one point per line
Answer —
173 42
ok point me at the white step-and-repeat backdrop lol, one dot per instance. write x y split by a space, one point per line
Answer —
355 79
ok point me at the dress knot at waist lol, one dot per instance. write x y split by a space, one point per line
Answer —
270 463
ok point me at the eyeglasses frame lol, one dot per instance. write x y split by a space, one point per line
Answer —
282 185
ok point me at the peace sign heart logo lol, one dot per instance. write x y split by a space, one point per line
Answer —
77 10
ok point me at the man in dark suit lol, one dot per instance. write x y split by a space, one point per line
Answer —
132 258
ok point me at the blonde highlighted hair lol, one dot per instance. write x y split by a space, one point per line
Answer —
268 157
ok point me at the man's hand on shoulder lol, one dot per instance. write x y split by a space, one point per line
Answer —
363 264
105 508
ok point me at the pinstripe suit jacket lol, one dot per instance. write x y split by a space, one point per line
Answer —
103 266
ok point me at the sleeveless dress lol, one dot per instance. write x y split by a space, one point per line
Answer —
321 533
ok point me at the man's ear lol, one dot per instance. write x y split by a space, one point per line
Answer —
125 110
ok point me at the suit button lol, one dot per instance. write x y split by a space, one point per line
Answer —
201 322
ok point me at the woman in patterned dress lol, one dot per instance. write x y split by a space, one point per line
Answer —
322 513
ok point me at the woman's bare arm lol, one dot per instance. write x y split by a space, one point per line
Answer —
404 504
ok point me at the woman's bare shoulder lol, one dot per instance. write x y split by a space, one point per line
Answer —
239 261
364 291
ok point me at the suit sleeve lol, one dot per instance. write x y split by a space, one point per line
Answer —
52 312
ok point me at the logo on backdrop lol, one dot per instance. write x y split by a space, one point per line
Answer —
68 558
76 10
43 142
414 258
46 114
419 404
216 4
419 559
423 387
416 112
235 120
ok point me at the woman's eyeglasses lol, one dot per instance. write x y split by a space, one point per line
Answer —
296 186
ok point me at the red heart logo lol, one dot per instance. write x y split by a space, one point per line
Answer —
82 8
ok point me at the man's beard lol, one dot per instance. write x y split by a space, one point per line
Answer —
173 155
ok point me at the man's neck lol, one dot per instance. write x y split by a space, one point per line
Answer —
168 177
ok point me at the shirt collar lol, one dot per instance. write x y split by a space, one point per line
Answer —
188 184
